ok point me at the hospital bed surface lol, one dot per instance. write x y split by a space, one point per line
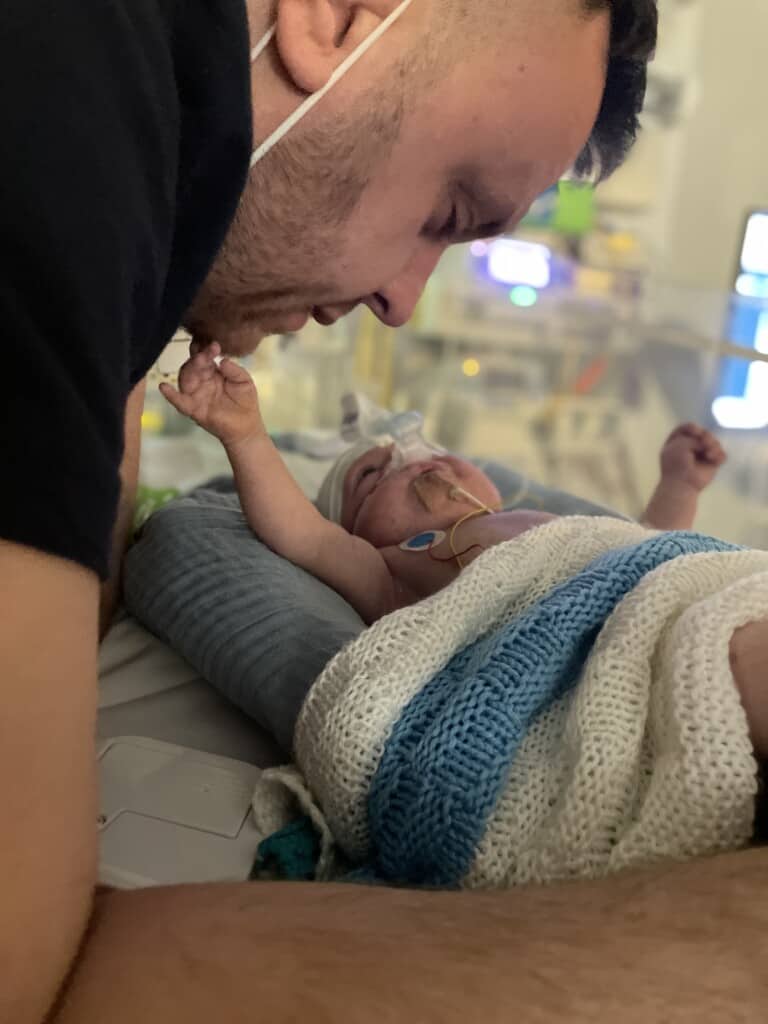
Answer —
146 689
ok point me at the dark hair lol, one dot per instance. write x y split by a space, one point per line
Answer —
633 39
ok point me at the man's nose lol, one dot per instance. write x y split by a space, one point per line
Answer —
394 304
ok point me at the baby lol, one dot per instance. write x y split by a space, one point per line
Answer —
404 533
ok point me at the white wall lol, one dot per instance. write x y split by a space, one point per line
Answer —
722 150
647 179
722 163
694 183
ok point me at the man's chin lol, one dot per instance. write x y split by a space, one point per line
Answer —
244 339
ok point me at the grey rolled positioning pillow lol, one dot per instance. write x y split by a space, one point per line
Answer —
256 626
253 624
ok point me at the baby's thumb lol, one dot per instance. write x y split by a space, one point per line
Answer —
181 403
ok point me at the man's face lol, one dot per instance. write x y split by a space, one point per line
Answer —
471 155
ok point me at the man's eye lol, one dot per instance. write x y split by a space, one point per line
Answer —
449 228
366 472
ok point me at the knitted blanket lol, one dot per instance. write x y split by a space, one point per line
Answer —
565 708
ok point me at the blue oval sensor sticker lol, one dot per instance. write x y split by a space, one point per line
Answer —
423 541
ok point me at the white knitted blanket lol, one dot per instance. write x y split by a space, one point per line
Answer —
646 757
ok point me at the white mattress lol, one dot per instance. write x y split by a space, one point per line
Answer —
146 689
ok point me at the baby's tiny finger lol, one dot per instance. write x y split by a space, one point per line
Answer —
191 377
233 371
175 398
203 366
202 359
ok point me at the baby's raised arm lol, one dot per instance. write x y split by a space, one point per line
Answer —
690 459
222 398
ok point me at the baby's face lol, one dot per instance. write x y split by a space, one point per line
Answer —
388 508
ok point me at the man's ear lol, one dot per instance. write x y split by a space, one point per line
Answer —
315 36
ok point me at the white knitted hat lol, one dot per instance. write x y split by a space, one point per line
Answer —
330 497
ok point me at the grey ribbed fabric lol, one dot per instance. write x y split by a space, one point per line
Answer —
256 626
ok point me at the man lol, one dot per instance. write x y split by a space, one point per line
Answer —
127 129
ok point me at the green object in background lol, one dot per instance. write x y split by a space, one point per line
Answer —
148 501
575 210
543 210
567 208
523 296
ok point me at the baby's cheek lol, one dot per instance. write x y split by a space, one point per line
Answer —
374 527
394 527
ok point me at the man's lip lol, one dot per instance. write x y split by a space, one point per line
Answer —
295 322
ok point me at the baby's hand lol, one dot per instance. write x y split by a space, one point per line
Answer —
220 398
691 455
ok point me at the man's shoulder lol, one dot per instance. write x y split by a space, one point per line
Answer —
65 28
161 41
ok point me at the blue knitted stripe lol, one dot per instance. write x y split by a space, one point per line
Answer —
449 754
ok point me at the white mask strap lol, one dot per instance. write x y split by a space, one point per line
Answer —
262 44
311 101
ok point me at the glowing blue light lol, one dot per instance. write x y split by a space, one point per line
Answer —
754 254
749 412
523 296
521 263
752 287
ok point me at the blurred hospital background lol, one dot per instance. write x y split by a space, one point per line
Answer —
570 350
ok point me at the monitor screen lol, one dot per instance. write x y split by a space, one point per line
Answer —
512 261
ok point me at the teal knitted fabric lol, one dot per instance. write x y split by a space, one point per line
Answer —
291 853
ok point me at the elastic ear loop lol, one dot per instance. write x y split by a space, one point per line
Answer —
263 43
315 98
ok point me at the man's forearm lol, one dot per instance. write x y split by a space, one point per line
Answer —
129 479
686 943
48 640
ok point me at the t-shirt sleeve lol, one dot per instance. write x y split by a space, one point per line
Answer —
87 184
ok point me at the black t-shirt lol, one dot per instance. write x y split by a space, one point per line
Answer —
125 133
